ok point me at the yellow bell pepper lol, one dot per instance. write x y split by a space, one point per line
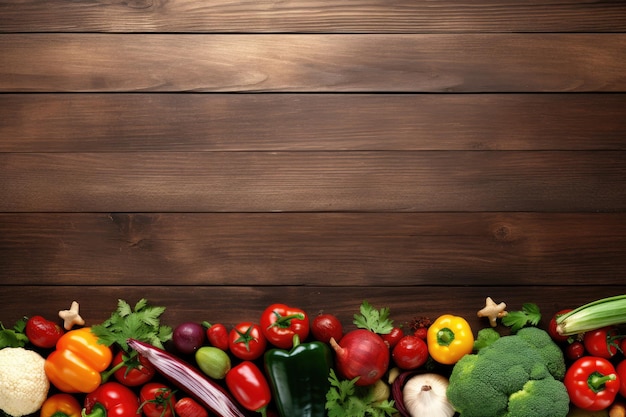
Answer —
76 363
61 405
449 338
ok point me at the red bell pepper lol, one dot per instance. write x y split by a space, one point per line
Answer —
592 383
217 334
249 387
280 323
112 399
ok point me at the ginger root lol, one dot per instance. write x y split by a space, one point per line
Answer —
493 311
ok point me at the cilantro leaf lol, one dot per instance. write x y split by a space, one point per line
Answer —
530 315
345 399
369 318
15 337
141 322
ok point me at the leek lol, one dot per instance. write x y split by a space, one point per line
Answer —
594 315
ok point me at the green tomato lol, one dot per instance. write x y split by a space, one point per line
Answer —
213 361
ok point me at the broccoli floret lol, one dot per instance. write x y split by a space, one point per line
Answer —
511 377
485 337
541 397
551 353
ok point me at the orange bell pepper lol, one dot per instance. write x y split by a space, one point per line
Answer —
76 363
61 405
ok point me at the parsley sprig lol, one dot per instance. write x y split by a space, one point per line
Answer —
141 323
529 315
345 399
369 318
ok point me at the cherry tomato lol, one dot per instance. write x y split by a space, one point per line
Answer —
246 341
602 342
392 338
138 372
422 333
325 326
574 351
157 400
558 338
43 333
410 352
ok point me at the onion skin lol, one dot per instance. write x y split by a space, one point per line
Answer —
361 353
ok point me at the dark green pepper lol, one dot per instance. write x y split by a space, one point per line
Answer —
299 378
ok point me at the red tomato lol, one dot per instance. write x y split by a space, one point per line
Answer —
325 326
575 350
602 342
558 338
411 352
246 341
157 400
392 338
621 373
43 333
137 372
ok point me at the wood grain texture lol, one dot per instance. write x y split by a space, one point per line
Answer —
327 249
300 122
313 63
216 157
231 305
314 181
386 16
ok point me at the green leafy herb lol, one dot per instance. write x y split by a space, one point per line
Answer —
345 399
141 323
528 316
15 337
377 321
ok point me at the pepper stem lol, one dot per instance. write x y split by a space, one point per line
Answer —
597 381
445 337
98 410
296 340
263 411
285 321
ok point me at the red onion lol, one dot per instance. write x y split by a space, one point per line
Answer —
361 353
187 378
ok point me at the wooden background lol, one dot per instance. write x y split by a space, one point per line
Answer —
218 156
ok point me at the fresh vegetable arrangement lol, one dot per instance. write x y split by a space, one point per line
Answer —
287 363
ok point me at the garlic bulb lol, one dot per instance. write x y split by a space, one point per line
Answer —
425 396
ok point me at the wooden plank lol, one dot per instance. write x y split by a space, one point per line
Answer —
314 181
330 249
231 305
278 122
313 63
314 16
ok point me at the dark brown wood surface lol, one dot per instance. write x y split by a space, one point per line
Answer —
216 157
365 16
313 63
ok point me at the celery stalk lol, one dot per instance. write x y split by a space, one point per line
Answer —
594 315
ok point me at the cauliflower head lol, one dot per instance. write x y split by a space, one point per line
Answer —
514 376
23 382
